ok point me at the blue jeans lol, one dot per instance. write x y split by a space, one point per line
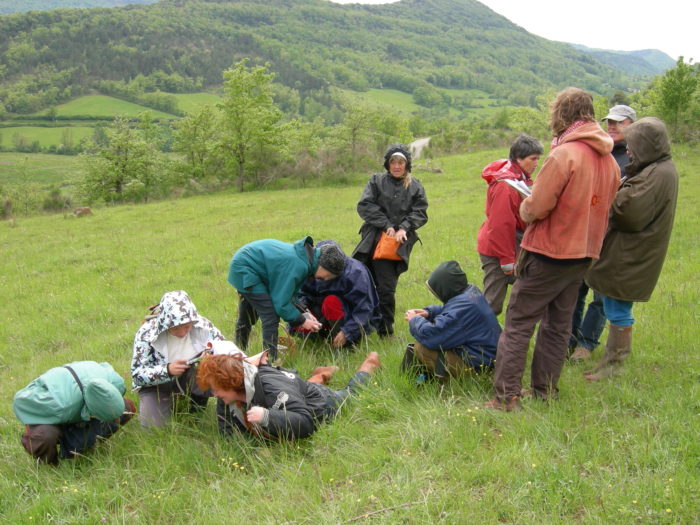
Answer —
586 331
334 398
618 312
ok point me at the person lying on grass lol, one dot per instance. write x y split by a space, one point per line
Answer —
274 402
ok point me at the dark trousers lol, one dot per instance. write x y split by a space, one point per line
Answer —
543 292
250 308
386 277
42 441
495 283
586 330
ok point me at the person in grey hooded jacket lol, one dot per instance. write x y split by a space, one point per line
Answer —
167 340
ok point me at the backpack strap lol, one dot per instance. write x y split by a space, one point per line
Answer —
77 379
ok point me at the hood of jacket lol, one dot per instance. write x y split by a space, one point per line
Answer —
447 281
175 308
592 135
647 142
504 169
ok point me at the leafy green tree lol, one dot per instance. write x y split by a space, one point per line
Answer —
251 124
196 137
674 92
126 168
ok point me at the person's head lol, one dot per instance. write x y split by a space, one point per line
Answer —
525 152
647 142
224 376
397 161
571 105
331 262
618 118
447 281
176 313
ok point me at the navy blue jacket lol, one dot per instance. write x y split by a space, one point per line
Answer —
355 288
465 324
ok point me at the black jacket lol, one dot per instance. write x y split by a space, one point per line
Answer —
386 203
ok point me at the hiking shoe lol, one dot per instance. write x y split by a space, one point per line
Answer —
512 404
580 354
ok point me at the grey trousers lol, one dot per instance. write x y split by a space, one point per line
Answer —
156 403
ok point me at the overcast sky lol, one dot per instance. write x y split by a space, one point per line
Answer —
671 26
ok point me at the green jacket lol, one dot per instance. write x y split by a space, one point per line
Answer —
54 398
277 269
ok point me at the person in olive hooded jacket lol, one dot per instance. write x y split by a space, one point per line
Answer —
268 275
459 335
634 249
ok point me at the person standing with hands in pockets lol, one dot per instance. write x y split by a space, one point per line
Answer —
393 206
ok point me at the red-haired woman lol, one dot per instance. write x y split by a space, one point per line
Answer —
274 402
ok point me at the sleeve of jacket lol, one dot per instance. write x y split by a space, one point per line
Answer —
637 202
283 290
146 368
447 330
418 214
503 222
360 299
368 207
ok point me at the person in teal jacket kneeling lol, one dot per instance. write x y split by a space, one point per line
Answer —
69 407
268 275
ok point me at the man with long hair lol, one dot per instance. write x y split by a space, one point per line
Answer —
567 216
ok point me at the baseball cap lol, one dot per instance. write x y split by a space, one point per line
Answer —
621 112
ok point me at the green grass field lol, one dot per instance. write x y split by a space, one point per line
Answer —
40 168
46 137
619 452
191 102
101 107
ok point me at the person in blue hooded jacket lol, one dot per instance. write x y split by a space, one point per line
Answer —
346 307
68 407
462 334
268 275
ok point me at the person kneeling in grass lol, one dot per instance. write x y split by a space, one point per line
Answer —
273 402
458 336
68 407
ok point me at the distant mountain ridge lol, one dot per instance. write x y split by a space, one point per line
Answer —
311 45
645 62
8 7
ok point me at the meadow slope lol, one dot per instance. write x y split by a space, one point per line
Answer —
623 451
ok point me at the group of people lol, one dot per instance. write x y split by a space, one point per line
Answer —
579 225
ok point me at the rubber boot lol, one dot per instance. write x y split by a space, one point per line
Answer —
618 347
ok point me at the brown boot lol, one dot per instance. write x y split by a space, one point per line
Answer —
580 354
617 349
371 363
322 374
510 405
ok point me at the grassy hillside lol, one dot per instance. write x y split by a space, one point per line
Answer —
45 136
39 168
101 107
619 452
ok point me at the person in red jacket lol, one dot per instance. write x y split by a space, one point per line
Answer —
499 236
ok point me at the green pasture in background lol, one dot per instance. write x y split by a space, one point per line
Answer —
40 168
101 107
45 136
617 452
191 102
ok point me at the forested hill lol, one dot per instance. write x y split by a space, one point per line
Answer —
49 56
22 6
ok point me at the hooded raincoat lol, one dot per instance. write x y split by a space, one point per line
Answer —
277 269
641 218
149 364
56 398
503 224
465 323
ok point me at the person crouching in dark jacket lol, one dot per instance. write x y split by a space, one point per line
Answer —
460 335
346 307
274 402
